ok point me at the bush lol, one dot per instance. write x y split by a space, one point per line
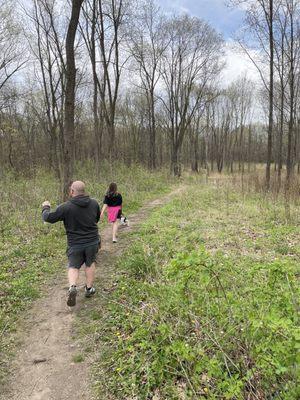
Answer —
188 323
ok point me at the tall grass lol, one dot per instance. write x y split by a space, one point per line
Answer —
30 251
205 304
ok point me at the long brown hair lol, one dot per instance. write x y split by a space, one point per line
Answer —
112 189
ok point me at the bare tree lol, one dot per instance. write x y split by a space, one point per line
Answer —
69 109
147 46
89 28
268 10
191 61
280 65
220 125
166 108
243 93
260 17
103 29
111 19
293 54
46 43
12 57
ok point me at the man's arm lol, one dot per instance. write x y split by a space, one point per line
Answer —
54 216
98 213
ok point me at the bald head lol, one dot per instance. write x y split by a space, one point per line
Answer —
77 188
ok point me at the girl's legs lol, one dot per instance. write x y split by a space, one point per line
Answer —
115 230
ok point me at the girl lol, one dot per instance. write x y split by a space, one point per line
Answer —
113 203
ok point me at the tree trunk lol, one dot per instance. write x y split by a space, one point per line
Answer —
195 159
175 162
152 163
97 132
242 160
55 162
271 97
69 113
289 164
249 148
111 140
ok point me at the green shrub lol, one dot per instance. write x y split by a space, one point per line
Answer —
188 323
31 252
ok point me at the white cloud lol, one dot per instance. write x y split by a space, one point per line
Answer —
171 6
237 64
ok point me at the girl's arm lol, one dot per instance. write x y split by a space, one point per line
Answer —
103 210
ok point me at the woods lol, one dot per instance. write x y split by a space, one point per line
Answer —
147 89
182 117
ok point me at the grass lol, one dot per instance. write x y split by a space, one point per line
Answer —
78 358
205 303
31 252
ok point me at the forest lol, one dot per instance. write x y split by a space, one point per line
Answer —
198 295
147 88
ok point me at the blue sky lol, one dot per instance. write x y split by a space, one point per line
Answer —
224 19
227 21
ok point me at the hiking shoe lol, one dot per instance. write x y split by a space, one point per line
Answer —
72 296
89 292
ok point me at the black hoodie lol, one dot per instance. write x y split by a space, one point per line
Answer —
80 216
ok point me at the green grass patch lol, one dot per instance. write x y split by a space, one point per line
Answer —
205 304
31 252
78 358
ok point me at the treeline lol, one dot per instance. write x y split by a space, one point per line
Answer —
148 87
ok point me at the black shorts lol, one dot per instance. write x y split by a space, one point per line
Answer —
86 256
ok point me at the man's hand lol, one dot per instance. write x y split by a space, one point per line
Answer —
46 204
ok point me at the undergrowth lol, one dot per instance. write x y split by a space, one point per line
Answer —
205 304
31 252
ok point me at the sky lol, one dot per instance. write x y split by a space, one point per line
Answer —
226 20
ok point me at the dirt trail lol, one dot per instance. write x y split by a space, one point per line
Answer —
44 367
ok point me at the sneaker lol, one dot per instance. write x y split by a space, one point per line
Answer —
89 292
115 240
72 296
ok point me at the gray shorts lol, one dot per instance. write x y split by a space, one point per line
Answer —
86 255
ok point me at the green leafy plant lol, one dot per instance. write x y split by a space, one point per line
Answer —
197 313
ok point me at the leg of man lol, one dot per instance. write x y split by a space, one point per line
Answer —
73 275
115 230
76 259
90 275
90 262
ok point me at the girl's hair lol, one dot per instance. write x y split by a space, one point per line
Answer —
112 189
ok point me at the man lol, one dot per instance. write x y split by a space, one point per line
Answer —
80 216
